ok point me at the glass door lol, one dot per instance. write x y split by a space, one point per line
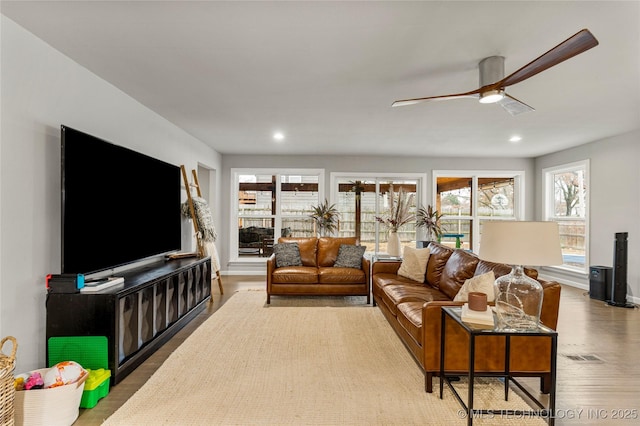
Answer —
360 199
272 204
256 212
466 201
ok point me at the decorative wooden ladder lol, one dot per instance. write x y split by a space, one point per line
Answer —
200 244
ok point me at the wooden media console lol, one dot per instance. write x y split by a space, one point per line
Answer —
138 317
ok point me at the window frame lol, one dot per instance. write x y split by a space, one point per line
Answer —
421 190
234 256
518 196
548 207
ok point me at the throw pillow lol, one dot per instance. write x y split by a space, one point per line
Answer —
480 283
349 256
414 263
287 254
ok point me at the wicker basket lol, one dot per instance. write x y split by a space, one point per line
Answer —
7 391
59 406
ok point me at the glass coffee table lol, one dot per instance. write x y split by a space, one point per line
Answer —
451 313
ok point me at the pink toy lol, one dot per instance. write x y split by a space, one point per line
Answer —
34 381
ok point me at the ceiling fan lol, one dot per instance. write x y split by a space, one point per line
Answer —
493 82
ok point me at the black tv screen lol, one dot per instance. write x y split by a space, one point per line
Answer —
118 206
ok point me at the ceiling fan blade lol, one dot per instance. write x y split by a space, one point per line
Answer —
574 45
514 106
473 94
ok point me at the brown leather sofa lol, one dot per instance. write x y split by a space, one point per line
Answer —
317 276
413 310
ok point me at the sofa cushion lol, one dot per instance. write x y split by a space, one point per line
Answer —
328 249
287 254
460 267
333 275
414 263
307 246
438 257
500 269
379 281
295 275
479 283
394 294
349 256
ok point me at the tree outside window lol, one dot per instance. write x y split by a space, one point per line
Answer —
570 192
566 195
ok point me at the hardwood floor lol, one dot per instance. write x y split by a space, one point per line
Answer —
603 386
598 377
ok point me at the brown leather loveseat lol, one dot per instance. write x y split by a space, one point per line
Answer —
317 275
413 310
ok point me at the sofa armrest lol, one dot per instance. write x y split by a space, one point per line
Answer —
550 303
271 266
366 267
271 263
385 267
431 329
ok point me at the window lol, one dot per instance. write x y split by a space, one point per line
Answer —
271 204
361 197
468 199
566 202
298 193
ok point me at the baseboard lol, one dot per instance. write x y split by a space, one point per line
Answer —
564 280
242 273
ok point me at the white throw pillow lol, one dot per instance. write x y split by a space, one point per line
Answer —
480 283
414 263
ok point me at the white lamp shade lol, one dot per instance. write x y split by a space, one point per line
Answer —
521 243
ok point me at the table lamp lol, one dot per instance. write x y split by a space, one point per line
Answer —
518 298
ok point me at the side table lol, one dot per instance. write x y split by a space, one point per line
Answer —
474 331
382 257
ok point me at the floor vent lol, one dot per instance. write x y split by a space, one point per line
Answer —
584 358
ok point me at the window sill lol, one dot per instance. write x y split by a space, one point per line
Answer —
567 271
565 275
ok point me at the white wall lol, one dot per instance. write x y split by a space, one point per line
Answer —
614 201
1 120
42 89
363 164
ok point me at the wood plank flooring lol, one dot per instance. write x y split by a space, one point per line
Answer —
598 349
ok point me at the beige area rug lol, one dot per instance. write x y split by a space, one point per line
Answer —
299 361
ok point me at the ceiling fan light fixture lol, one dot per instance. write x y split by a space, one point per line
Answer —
491 96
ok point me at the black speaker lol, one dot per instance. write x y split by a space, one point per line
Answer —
600 278
619 286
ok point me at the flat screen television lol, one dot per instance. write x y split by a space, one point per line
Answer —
118 206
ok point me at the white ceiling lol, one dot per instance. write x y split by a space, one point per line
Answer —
326 73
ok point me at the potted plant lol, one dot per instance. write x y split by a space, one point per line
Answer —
429 219
399 214
325 218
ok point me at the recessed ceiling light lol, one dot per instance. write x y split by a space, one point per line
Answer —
279 136
515 138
